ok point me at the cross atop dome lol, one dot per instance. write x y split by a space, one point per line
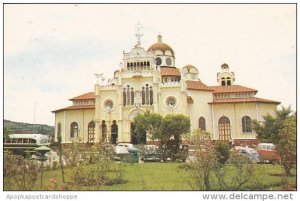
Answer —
138 34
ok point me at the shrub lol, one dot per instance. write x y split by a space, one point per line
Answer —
19 173
222 152
96 169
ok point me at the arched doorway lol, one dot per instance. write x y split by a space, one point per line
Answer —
224 128
91 132
114 132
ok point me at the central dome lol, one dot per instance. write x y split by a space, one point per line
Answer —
161 46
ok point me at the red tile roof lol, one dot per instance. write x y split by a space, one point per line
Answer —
87 96
243 100
231 89
76 107
160 46
197 85
169 71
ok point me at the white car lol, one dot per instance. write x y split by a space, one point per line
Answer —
124 148
250 153
127 145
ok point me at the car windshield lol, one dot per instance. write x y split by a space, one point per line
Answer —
252 151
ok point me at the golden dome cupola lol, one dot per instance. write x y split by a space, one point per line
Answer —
164 54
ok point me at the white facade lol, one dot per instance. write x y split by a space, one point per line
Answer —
149 80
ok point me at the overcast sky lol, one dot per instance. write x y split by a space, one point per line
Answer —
52 51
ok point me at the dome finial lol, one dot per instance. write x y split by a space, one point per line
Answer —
159 38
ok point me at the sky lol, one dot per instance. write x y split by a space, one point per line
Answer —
51 52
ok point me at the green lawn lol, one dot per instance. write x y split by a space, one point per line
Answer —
166 176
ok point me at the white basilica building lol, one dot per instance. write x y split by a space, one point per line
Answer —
149 80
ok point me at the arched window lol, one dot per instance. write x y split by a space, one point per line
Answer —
228 81
224 128
128 95
114 132
147 94
151 96
223 81
58 137
91 132
246 124
124 97
103 131
132 96
74 130
202 124
143 96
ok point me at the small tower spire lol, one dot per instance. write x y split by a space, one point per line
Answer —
159 38
138 34
225 77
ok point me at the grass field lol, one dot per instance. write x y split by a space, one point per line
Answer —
166 176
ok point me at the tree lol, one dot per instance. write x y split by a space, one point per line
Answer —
60 153
6 132
281 131
268 131
167 130
287 144
173 127
205 160
208 173
148 123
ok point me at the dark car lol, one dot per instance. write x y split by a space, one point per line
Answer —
178 154
151 153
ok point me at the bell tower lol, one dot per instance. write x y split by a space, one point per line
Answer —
225 77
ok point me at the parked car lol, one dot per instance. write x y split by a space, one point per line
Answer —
180 154
126 152
151 153
127 145
268 153
250 153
